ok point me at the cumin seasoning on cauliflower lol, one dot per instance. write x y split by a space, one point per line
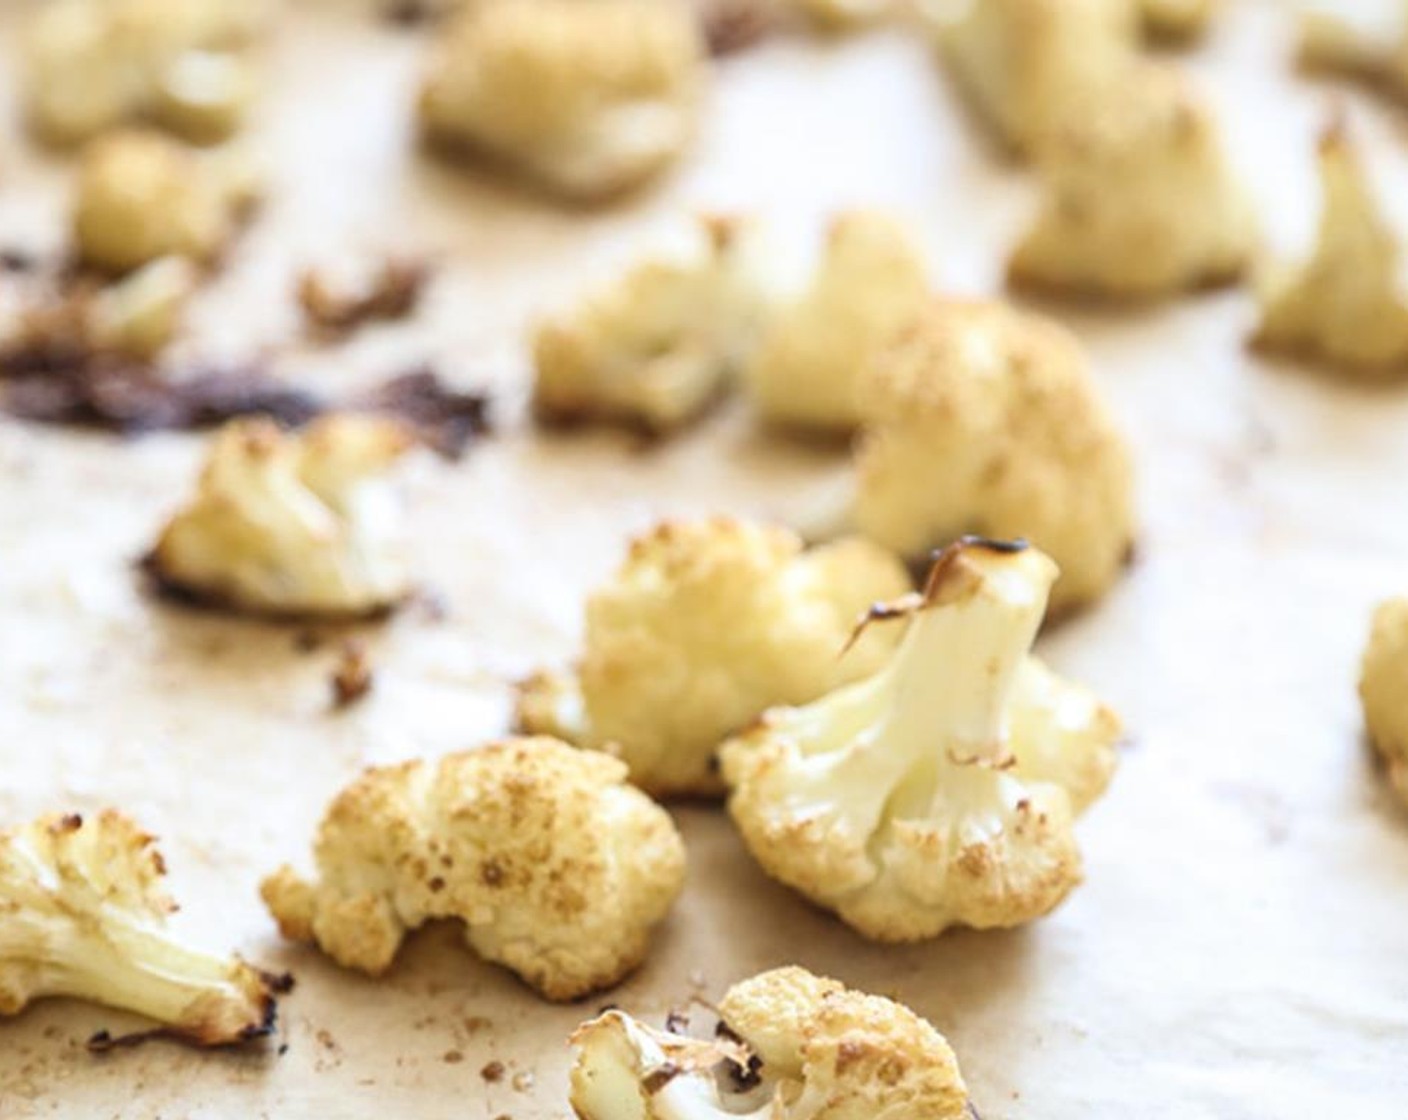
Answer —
790 1046
940 791
705 625
559 870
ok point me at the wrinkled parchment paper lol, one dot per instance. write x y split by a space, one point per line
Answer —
1238 951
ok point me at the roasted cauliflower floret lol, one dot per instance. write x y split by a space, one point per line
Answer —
1024 63
1176 19
939 791
870 283
586 99
558 869
1345 304
90 65
706 624
292 524
1383 687
790 1046
659 345
1139 201
983 419
82 915
141 196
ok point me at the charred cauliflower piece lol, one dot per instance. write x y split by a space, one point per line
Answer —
984 420
790 1046
660 345
1139 200
1383 687
1024 63
870 283
587 100
1345 304
292 524
82 915
706 624
558 869
939 791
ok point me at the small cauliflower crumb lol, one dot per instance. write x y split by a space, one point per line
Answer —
1345 305
870 283
558 869
1383 688
292 525
587 100
984 419
660 345
790 1046
82 915
705 625
1139 201
941 790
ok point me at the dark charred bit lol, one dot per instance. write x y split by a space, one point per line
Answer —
743 1078
945 560
657 1078
493 1072
393 292
607 1008
902 607
353 678
411 13
280 983
69 822
18 260
677 1022
973 1111
444 419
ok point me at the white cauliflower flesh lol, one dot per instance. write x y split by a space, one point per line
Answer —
82 915
1346 304
1139 201
587 100
870 283
90 65
660 345
1176 19
1024 63
789 1046
984 420
558 869
1383 688
292 525
939 791
705 625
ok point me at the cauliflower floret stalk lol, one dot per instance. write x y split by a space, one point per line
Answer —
790 1046
940 791
82 915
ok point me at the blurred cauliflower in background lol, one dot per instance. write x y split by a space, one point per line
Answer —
941 790
706 624
1383 688
1177 19
1361 41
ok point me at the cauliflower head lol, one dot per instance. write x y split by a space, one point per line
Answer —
1139 201
1383 688
1345 304
1024 63
292 524
1178 20
871 282
82 915
587 100
983 419
658 346
941 790
558 869
789 1046
705 625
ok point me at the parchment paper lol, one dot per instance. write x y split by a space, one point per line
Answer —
1238 950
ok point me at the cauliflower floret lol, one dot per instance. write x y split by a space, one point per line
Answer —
141 313
984 420
141 196
558 869
1383 688
870 283
790 1046
82 915
93 64
1176 19
706 624
292 525
1139 200
658 346
1344 304
934 793
586 99
1023 63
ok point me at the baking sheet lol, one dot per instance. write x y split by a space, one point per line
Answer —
1238 949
